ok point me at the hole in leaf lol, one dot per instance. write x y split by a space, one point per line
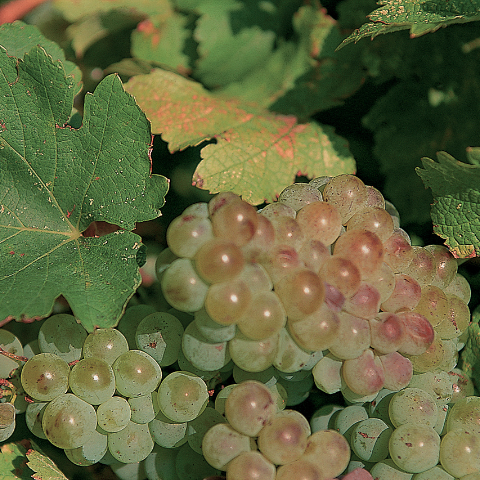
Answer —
99 228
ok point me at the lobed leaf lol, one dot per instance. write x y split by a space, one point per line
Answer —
418 16
43 467
55 181
256 153
456 209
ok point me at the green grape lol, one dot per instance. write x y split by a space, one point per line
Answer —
387 470
106 344
290 357
7 417
182 396
369 439
465 414
198 427
34 416
89 453
460 452
414 447
69 422
298 195
11 344
297 391
435 473
45 376
201 353
130 320
438 384
160 464
114 414
324 418
167 433
7 432
160 335
348 418
92 380
62 335
413 405
326 374
268 376
136 373
185 365
192 466
142 408
131 444
211 330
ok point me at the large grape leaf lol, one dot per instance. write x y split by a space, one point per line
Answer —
55 181
256 153
43 467
418 16
456 210
13 462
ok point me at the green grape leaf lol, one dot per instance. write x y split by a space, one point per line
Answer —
44 468
418 16
256 153
18 38
13 463
456 210
470 355
56 182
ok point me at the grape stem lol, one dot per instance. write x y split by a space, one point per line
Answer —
12 355
7 389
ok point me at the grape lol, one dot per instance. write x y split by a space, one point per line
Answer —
198 427
430 359
264 317
89 453
413 405
322 221
398 252
387 332
465 415
131 444
347 418
457 320
34 416
384 281
328 451
281 260
7 415
62 335
460 452
192 466
201 353
334 298
342 273
211 330
373 219
398 370
364 375
160 464
290 357
298 390
226 302
222 443
419 333
11 344
114 414
405 296
435 473
220 200
353 337
370 439
414 447
136 373
387 470
358 474
160 335
218 260
363 248
128 327
261 242
347 193
182 396
253 355
438 384
317 331
188 232
460 287
462 385
283 439
92 380
445 263
249 406
365 302
105 344
167 433
314 254
182 287
287 232
69 422
142 408
326 374
433 305
299 470
45 376
235 221
250 466
277 209
185 365
256 277
299 195
422 267
301 292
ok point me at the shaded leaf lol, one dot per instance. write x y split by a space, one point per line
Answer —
55 181
418 16
257 153
13 462
456 210
43 467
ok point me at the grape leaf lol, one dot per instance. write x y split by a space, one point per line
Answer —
257 153
18 38
44 468
13 462
419 16
456 210
55 181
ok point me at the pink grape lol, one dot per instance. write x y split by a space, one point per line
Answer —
398 252
365 302
419 333
387 332
342 273
398 370
373 219
405 296
261 242
364 375
321 220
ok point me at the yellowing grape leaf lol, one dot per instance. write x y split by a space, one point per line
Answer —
43 466
256 153
55 181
